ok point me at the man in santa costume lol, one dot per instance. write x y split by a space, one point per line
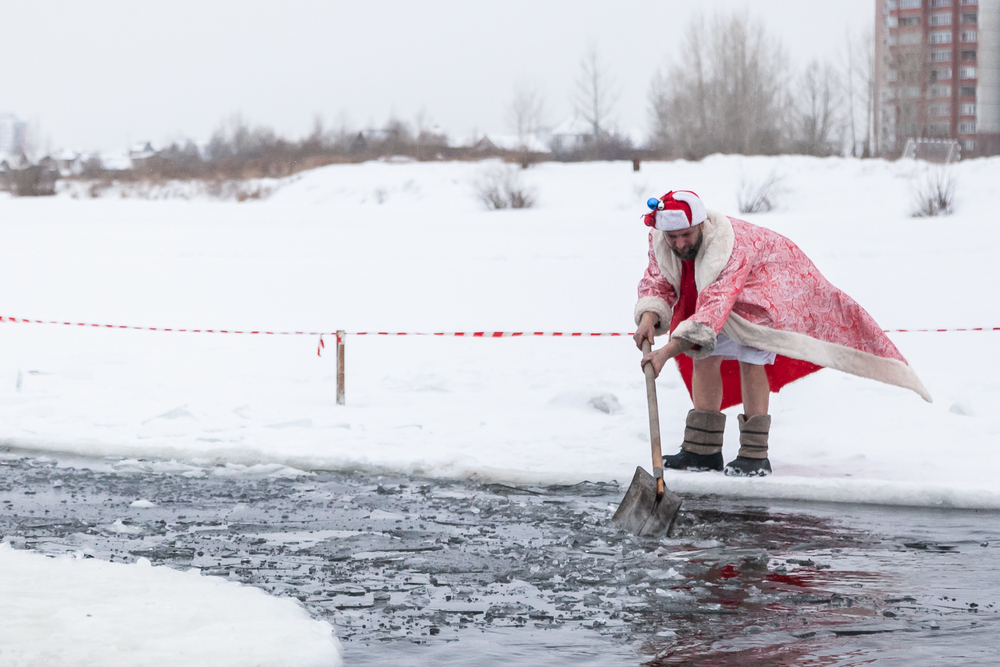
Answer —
747 312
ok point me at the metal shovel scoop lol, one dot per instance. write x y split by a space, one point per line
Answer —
649 508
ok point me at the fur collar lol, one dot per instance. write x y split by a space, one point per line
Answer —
716 248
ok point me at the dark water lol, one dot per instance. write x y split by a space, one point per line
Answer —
432 572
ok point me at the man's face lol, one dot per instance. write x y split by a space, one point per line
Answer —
685 243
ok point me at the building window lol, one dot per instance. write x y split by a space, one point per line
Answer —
940 128
941 56
970 36
911 38
940 37
967 72
909 21
938 110
940 91
891 22
967 91
891 5
970 2
888 93
967 127
911 91
941 74
940 3
909 4
970 18
967 109
891 75
968 145
892 41
944 18
969 56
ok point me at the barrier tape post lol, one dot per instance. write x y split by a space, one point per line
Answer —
340 366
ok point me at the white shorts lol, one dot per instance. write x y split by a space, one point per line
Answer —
728 348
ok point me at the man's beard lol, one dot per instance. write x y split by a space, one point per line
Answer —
689 252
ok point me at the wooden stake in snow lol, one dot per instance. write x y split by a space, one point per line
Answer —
340 366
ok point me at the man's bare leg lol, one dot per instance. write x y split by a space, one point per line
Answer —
755 424
756 389
702 448
706 384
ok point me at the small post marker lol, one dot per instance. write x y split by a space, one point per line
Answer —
340 366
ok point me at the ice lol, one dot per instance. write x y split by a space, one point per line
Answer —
321 254
76 611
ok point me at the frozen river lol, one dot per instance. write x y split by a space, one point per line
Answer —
429 572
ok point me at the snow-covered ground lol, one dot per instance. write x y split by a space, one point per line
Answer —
72 611
407 247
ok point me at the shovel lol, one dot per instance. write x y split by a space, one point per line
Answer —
649 508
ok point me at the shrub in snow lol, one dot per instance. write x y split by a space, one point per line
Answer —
502 187
934 193
755 196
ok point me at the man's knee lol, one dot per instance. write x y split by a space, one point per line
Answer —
753 370
708 365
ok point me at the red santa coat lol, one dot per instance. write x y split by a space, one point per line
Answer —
761 290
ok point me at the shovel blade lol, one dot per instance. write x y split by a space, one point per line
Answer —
640 513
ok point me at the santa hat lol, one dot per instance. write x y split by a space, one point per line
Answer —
675 211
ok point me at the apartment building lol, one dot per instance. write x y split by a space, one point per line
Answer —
937 74
13 134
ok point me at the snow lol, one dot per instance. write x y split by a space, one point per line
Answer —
407 247
75 611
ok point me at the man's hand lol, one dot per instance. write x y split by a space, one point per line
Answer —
659 358
647 324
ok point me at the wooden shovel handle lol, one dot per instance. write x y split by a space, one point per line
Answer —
654 420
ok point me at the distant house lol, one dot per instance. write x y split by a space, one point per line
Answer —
69 163
571 134
484 146
141 151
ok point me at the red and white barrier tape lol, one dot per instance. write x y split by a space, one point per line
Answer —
487 334
449 334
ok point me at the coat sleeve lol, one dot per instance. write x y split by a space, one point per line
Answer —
656 294
715 302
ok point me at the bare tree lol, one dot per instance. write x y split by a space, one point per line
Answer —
866 75
728 92
525 113
819 118
596 93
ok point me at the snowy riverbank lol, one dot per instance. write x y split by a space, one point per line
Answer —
323 254
72 611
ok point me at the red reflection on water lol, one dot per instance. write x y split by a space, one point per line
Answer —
802 581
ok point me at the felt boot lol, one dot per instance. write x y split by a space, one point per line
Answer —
752 460
702 448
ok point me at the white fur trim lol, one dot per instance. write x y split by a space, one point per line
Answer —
698 213
716 247
822 353
698 334
671 220
654 304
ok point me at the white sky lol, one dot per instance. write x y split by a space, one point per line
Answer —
103 73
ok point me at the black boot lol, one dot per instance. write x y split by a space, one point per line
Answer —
694 462
744 467
702 448
752 460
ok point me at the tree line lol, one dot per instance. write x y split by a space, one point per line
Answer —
732 89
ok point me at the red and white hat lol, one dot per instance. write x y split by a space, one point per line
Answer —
675 211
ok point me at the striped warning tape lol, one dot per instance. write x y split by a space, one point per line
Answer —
455 334
488 334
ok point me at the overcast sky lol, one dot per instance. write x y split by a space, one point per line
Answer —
104 73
